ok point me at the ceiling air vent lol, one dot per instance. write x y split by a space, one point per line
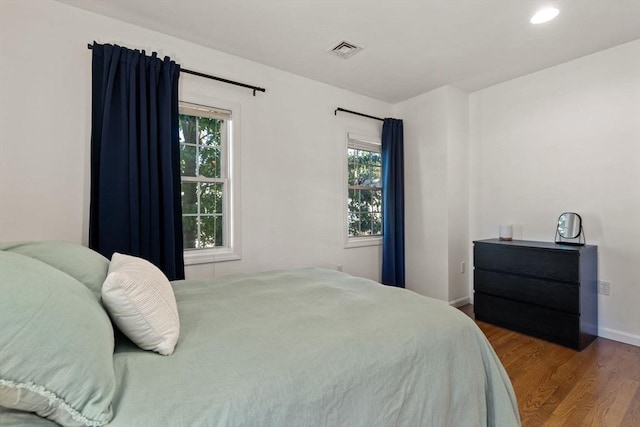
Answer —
344 49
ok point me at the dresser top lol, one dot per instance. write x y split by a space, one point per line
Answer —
534 244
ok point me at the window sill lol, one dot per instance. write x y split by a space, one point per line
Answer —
360 242
206 256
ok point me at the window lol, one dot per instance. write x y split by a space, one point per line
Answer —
205 146
364 186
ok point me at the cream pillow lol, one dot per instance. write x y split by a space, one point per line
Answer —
140 300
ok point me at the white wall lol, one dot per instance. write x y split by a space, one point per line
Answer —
567 139
458 194
425 135
292 147
436 192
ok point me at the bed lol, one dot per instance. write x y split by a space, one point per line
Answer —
303 347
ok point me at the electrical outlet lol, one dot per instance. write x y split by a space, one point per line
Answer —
604 288
339 267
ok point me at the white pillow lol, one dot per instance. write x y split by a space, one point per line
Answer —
140 300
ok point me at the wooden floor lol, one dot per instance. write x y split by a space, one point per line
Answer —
557 386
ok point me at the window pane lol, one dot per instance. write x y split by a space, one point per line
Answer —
219 227
354 224
188 157
211 198
354 201
189 231
365 223
352 160
366 157
376 176
187 129
368 179
376 201
210 231
376 223
361 168
209 162
189 197
364 168
366 200
210 131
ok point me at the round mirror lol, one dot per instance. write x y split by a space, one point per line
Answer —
569 225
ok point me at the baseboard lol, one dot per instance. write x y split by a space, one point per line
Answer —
460 302
620 336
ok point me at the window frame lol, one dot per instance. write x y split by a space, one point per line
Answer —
229 177
363 141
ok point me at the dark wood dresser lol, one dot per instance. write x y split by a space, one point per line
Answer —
538 288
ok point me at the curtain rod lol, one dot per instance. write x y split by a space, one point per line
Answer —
220 79
335 113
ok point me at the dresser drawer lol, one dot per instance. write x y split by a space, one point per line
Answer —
542 263
556 326
556 295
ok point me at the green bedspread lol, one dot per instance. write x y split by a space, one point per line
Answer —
313 347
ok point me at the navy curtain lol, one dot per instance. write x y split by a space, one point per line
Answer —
392 203
135 158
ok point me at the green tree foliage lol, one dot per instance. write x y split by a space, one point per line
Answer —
200 157
365 193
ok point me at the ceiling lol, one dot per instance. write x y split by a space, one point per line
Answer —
410 47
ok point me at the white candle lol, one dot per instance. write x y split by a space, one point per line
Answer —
506 232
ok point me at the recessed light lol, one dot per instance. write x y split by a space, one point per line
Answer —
544 15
